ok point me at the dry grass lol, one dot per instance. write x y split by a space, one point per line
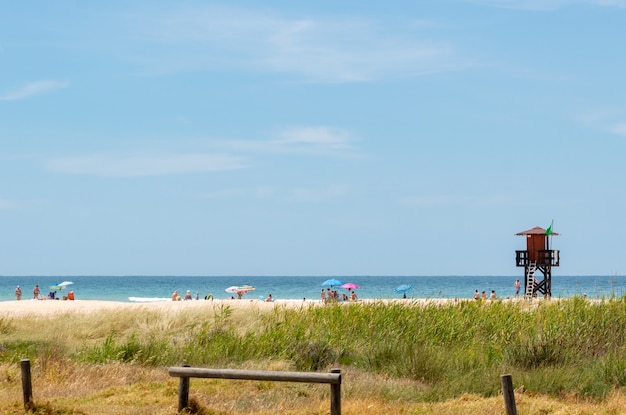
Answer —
124 389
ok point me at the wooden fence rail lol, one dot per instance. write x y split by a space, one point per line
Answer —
185 373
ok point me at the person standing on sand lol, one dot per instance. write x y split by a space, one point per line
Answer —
323 296
18 293
476 295
36 292
517 286
175 296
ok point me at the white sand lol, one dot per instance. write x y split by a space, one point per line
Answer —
52 307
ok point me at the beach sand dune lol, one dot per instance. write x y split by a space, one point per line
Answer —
54 307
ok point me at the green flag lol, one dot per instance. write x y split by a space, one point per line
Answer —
549 230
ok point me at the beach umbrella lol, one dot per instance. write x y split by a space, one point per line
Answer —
232 290
332 282
403 288
349 286
61 286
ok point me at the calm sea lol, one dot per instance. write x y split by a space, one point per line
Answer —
160 288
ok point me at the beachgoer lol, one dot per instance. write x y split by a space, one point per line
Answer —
36 292
517 286
493 295
269 299
18 293
174 295
344 297
323 296
188 295
239 294
476 295
483 295
197 296
353 296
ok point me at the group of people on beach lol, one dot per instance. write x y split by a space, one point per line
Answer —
333 296
186 297
38 296
189 297
517 285
18 292
483 295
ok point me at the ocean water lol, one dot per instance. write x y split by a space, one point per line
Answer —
160 288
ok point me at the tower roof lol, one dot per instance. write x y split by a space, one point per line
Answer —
537 230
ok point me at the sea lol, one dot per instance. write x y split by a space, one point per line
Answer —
160 288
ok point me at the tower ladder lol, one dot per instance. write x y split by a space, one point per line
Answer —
530 279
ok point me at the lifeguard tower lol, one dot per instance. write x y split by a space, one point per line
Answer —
537 260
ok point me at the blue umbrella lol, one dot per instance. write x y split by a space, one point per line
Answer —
403 288
331 283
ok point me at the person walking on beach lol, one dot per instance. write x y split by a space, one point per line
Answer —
36 292
517 286
18 293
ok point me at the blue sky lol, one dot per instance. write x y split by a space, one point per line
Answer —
310 138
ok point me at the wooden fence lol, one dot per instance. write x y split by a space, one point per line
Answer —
185 373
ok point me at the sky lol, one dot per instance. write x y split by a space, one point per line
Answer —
312 137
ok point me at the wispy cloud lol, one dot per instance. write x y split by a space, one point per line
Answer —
316 140
545 5
223 155
317 48
319 141
7 204
612 3
141 165
618 129
607 120
33 89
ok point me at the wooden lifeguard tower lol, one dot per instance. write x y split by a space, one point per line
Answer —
538 257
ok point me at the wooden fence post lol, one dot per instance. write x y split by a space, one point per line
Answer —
335 395
27 385
509 394
183 392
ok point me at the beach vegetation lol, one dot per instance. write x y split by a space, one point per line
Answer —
400 353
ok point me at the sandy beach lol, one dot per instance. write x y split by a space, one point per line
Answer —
53 307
